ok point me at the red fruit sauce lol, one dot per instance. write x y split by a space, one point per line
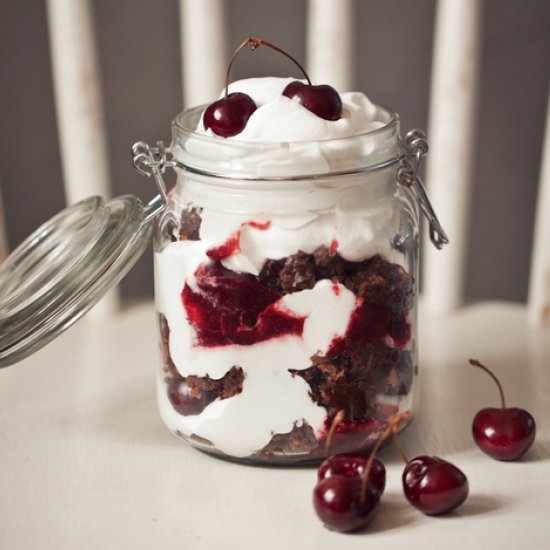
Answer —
233 308
233 245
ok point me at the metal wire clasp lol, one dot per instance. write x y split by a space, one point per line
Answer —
416 147
153 161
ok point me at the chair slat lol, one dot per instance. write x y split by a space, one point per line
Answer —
79 107
451 133
3 235
330 43
203 50
539 283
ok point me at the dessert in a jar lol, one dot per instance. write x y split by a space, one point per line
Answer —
286 279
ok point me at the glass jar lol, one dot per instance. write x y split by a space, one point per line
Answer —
286 288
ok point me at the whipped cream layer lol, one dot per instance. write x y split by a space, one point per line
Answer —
283 138
279 118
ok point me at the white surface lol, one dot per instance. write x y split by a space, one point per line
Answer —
539 284
203 50
86 462
451 135
330 43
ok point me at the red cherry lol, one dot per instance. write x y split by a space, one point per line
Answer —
504 433
228 116
354 465
342 505
322 99
349 487
434 485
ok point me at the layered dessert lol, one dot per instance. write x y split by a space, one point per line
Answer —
284 281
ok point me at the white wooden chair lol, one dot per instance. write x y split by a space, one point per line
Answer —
456 53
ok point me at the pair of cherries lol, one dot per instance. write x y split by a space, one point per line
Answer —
229 115
350 486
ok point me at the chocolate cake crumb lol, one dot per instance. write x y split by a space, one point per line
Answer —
377 280
330 266
300 440
270 274
190 224
353 380
228 386
298 273
190 395
383 283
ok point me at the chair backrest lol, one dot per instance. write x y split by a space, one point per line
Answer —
329 59
3 239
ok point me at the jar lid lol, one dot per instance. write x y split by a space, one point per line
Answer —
62 269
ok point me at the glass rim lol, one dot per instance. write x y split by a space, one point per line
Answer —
214 157
180 124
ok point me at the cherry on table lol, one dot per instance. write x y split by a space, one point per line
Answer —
343 505
504 433
354 465
349 487
433 485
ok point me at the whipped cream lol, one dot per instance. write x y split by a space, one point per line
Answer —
279 118
283 138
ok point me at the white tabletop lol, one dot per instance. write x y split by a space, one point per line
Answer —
86 463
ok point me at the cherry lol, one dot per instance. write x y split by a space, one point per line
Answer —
342 505
354 465
229 115
504 433
431 484
322 99
347 494
434 485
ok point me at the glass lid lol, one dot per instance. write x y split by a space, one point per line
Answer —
64 268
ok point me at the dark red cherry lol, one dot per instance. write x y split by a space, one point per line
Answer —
228 116
504 433
321 99
434 485
338 503
354 465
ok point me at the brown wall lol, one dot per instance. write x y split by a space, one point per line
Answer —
139 54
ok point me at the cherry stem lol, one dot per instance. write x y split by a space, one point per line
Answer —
476 363
255 43
338 418
392 429
395 431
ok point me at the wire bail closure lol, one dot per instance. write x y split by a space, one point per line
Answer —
416 147
153 161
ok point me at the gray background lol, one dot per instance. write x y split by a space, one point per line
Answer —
140 64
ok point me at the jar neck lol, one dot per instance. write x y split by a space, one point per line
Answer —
361 190
241 161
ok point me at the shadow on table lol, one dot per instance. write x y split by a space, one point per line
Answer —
395 512
477 505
